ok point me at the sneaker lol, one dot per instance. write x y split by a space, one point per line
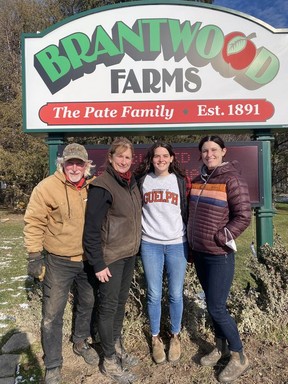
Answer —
112 368
158 353
126 359
174 349
53 376
82 348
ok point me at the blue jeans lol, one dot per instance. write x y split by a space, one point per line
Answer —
172 257
60 274
216 273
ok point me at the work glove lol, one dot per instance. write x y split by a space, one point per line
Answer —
36 265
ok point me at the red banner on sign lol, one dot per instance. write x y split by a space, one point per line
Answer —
157 112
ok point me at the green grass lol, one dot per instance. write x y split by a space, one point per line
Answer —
280 224
13 261
242 273
15 286
14 283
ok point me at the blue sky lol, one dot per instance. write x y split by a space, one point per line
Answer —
273 12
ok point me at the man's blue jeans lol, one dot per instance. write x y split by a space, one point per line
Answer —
60 274
172 258
215 273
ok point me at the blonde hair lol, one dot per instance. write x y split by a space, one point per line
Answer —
120 144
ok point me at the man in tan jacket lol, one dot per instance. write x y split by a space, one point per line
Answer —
54 222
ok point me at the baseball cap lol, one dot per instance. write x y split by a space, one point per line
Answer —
75 151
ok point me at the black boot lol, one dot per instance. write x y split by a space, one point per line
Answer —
53 376
112 367
82 348
126 359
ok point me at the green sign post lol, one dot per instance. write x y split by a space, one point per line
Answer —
264 214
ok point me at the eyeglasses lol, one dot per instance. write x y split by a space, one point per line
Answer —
78 163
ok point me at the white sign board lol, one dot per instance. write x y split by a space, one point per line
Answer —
155 66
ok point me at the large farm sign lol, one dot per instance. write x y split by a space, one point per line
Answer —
155 66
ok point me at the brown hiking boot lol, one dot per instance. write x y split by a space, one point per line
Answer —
221 351
174 349
112 368
158 353
88 353
126 359
237 365
53 376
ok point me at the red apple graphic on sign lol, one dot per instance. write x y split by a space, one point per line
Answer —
238 50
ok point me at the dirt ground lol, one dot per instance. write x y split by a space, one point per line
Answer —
268 360
268 364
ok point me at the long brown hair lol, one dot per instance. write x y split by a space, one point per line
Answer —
147 166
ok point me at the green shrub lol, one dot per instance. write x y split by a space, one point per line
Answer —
262 309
